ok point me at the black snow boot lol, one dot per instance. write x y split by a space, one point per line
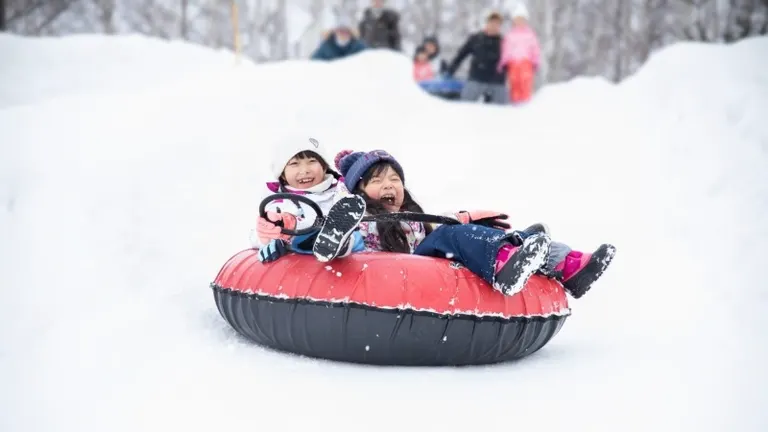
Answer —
524 262
516 237
579 273
342 220
537 228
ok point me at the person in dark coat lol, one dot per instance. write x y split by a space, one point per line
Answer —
484 74
380 27
340 43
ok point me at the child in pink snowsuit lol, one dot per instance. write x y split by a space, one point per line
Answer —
422 67
520 53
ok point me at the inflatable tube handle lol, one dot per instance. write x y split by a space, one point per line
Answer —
413 217
319 218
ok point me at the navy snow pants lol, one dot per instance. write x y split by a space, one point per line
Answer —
474 246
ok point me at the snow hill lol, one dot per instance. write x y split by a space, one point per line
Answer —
129 170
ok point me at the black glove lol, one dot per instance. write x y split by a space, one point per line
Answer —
273 250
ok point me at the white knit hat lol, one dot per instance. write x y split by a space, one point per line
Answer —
289 146
520 11
343 22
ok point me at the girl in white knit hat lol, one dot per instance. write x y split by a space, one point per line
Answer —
300 166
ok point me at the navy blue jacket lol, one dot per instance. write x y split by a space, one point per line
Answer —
330 50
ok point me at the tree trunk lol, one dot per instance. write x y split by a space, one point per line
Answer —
2 15
184 30
107 15
620 40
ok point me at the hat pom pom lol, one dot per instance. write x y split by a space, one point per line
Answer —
345 159
342 154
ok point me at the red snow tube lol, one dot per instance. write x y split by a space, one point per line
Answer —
385 309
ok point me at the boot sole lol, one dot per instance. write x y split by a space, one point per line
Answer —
522 265
580 284
340 223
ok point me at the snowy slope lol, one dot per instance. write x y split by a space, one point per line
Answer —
120 201
97 66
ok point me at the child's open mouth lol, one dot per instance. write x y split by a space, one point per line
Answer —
388 199
306 181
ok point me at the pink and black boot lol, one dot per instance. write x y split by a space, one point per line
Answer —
578 270
516 263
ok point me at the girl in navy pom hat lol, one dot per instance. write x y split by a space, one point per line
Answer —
480 242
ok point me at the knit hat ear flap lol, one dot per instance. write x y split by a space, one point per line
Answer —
345 159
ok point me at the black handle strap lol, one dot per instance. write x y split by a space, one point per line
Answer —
320 219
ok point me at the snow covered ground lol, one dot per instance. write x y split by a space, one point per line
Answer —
129 170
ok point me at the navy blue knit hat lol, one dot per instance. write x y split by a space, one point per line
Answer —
353 165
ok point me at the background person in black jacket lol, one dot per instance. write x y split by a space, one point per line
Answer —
380 27
484 77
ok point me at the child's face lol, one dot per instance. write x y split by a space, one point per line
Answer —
421 57
303 173
387 187
343 36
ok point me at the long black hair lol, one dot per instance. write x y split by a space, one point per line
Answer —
391 234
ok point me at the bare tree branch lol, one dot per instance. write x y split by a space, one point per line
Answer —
61 7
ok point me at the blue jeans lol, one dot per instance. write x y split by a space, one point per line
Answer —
474 246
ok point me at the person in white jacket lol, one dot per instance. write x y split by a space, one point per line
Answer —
300 166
